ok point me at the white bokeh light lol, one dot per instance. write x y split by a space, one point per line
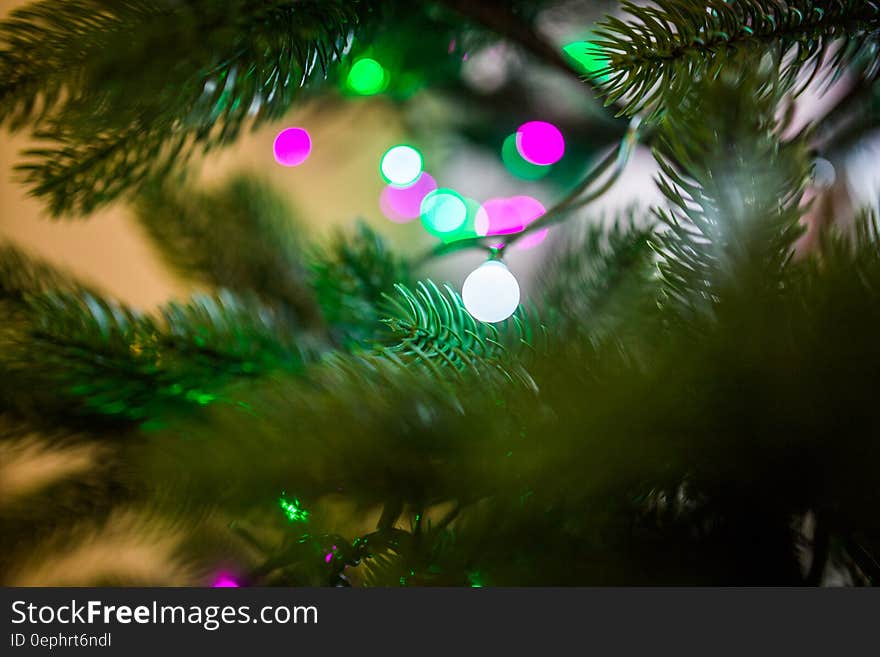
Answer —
490 292
401 165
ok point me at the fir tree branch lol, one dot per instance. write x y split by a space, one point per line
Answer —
435 330
594 281
99 358
734 191
656 55
123 91
240 236
351 278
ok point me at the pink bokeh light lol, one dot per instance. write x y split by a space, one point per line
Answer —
403 204
540 143
224 581
292 147
503 216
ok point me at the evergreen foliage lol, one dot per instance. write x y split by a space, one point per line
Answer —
124 91
654 56
683 393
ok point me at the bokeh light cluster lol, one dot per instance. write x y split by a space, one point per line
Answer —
412 193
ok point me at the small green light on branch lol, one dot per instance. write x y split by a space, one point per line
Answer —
293 510
367 77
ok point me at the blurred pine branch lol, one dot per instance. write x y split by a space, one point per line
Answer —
657 51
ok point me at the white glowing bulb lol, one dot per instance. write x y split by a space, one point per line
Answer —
824 175
490 292
401 165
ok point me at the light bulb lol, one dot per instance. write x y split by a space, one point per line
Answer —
823 173
490 292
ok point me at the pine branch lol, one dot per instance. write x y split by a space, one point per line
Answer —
240 236
434 329
734 191
350 279
123 91
654 57
100 358
595 280
21 275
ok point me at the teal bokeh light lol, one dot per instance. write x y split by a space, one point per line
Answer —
443 211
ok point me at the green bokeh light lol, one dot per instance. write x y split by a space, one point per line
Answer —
517 164
443 211
367 77
588 59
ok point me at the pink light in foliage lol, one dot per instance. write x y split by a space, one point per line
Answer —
292 147
540 142
224 581
403 204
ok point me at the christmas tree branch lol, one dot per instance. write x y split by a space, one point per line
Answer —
123 91
95 357
351 278
241 236
433 328
733 187
654 57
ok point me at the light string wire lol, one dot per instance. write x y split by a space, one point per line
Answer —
616 160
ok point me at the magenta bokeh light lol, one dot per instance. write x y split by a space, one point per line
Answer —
503 216
531 240
292 147
540 143
498 216
224 581
403 204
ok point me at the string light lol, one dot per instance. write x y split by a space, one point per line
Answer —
517 165
292 147
401 165
403 204
540 142
467 229
443 211
293 510
224 581
503 216
490 293
823 173
367 77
